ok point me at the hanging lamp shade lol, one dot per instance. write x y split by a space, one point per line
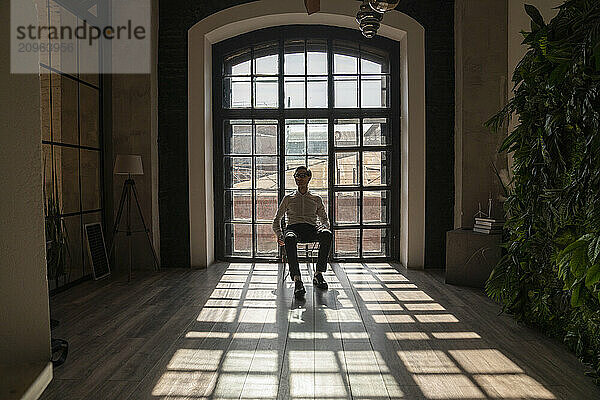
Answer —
382 6
368 20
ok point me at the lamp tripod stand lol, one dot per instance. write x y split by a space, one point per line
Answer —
129 190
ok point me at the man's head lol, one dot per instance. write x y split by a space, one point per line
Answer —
302 176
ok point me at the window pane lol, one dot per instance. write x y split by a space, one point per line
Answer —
346 208
369 67
238 240
266 205
317 136
238 172
374 61
89 108
91 188
47 171
45 104
345 58
325 196
318 167
236 92
374 91
266 137
295 139
67 172
291 163
346 169
317 92
266 60
64 61
293 63
376 165
238 64
267 175
316 53
376 132
345 132
266 93
343 64
238 137
89 60
42 20
64 109
266 242
294 92
375 242
346 243
238 205
74 267
375 207
346 92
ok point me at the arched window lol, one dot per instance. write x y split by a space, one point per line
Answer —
307 95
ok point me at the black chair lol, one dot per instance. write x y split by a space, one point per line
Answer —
309 249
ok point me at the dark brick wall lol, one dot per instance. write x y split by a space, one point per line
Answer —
177 16
437 17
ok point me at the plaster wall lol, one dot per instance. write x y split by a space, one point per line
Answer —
481 50
131 134
24 310
134 129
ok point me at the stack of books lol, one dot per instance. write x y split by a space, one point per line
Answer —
489 226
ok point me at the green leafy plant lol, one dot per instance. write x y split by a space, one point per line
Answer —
549 276
57 240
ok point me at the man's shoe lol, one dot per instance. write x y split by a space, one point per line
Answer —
299 290
319 281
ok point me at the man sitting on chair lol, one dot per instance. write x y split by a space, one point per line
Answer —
302 209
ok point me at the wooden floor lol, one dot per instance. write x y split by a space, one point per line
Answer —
234 331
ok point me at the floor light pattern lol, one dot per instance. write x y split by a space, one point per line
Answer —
372 335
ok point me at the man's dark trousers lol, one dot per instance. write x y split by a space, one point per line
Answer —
302 233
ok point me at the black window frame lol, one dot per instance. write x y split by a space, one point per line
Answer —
279 35
80 80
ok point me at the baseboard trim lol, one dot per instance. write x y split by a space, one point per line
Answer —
39 384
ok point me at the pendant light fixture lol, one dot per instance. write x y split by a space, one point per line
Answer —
370 14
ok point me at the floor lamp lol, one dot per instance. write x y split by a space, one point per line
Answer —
130 165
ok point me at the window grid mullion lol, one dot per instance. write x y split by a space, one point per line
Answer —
331 147
360 183
359 84
251 83
305 75
253 189
281 129
306 143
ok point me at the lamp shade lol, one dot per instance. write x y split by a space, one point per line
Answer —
128 164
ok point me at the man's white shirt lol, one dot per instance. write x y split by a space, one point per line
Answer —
301 208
